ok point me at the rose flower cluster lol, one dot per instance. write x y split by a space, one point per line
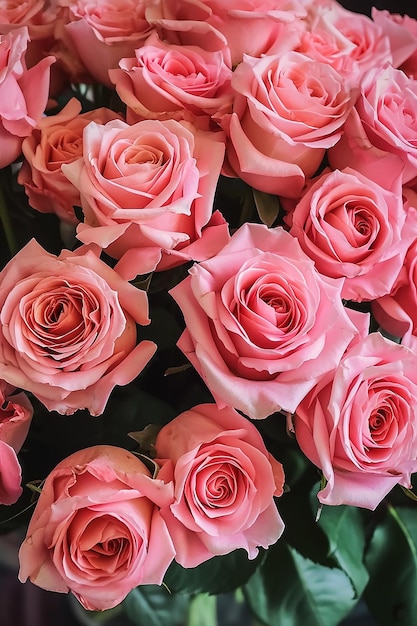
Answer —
307 314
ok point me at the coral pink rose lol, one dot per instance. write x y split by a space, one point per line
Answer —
287 111
23 93
360 425
147 193
15 416
68 328
165 81
105 32
352 227
383 121
224 482
96 530
57 139
225 25
262 325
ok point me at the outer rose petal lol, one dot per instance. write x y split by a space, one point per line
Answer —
10 475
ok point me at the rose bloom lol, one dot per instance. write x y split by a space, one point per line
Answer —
352 227
15 417
68 328
401 31
262 326
57 139
225 25
288 109
96 530
224 483
147 193
384 120
105 31
360 425
165 81
23 93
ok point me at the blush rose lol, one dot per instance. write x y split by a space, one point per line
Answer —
96 530
23 93
224 482
16 414
165 81
354 228
360 425
68 328
261 324
57 139
288 109
147 193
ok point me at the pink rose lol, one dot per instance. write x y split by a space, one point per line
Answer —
23 93
105 32
147 193
226 25
287 111
96 530
382 122
352 227
401 31
360 425
224 482
165 81
15 416
68 328
262 325
57 139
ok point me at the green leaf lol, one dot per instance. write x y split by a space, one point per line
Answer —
267 206
289 589
344 528
221 574
155 606
203 610
391 560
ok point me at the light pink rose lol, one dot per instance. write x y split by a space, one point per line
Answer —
103 32
352 227
96 530
147 193
288 109
262 326
360 425
225 25
166 81
15 416
23 93
383 122
57 139
68 328
224 482
401 31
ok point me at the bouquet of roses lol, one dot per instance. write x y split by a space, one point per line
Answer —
208 305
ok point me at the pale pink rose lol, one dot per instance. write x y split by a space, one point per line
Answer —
96 530
228 25
147 193
224 483
383 123
352 227
15 416
166 81
371 46
401 31
68 328
262 326
23 93
360 425
397 312
57 139
288 109
103 32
